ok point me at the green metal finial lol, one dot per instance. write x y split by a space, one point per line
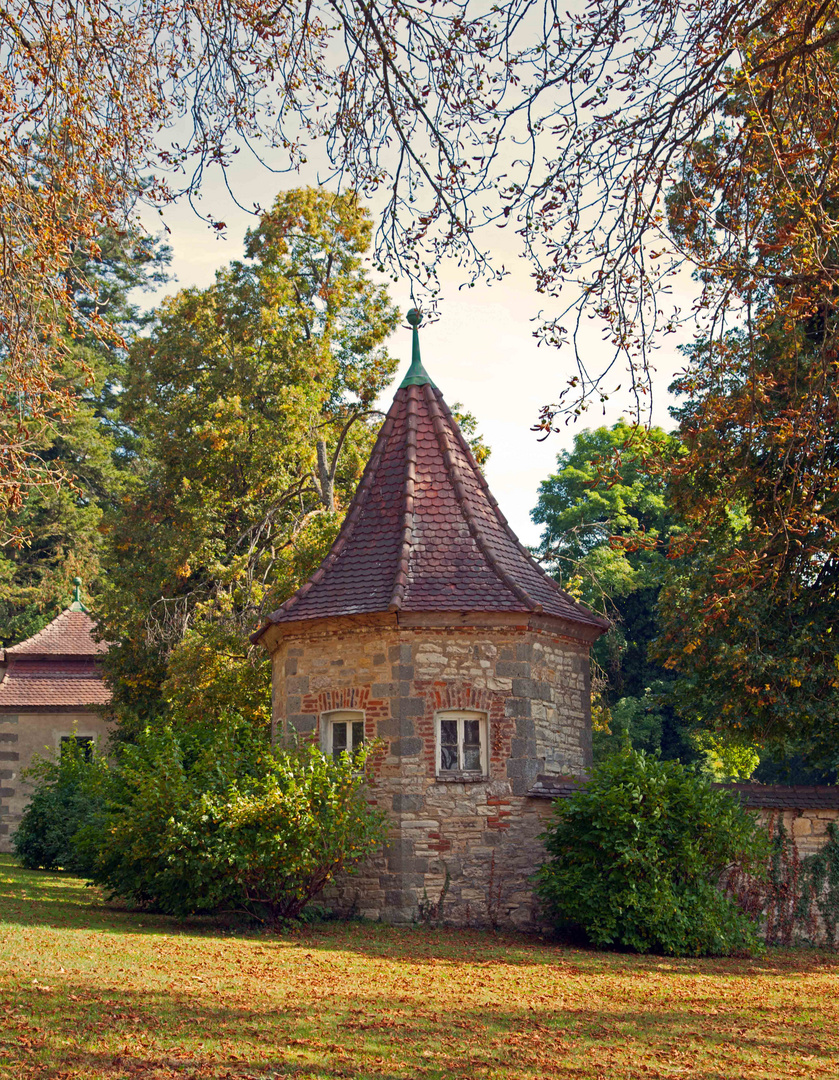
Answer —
417 375
77 604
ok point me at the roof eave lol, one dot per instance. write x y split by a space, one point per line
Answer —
585 633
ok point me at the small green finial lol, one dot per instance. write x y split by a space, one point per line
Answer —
417 375
77 604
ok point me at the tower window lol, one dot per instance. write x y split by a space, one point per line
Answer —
342 732
462 745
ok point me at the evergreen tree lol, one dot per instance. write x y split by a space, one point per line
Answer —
60 526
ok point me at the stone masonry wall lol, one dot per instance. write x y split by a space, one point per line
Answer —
464 848
807 827
23 735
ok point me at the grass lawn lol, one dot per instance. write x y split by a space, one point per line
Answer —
91 992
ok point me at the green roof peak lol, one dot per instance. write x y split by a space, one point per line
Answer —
77 604
417 375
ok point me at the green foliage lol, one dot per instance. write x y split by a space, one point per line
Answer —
468 424
67 793
636 857
724 760
781 899
209 816
607 524
593 495
254 399
821 885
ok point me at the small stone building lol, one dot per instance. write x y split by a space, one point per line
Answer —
430 627
50 686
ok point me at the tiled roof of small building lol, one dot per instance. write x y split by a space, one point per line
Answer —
423 532
69 634
751 796
23 689
556 787
58 667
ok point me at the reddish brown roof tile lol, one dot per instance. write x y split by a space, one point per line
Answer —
56 668
556 787
70 634
424 534
784 796
62 688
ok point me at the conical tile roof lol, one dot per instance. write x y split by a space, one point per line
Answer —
424 534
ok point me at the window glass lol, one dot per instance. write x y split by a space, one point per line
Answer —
448 746
342 732
339 738
472 745
461 746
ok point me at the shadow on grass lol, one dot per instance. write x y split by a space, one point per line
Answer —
58 899
85 1030
418 945
62 901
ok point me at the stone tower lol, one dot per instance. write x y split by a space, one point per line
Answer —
430 627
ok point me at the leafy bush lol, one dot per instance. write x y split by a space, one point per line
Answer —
208 818
68 792
636 857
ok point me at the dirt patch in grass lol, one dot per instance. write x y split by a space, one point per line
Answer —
90 992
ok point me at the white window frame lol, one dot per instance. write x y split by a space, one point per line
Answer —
348 716
462 715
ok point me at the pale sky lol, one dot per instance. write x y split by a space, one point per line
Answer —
481 352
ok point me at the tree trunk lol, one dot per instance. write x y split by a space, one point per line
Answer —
325 477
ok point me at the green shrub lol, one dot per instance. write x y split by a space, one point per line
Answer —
67 793
202 819
636 858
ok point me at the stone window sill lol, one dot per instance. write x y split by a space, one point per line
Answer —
461 778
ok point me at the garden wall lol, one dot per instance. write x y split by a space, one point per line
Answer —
805 811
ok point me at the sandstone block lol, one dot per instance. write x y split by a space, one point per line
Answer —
406 747
513 669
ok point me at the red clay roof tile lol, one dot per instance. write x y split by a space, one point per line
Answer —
64 689
56 668
69 634
424 534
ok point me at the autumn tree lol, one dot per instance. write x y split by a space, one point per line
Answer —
255 402
751 600
568 128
